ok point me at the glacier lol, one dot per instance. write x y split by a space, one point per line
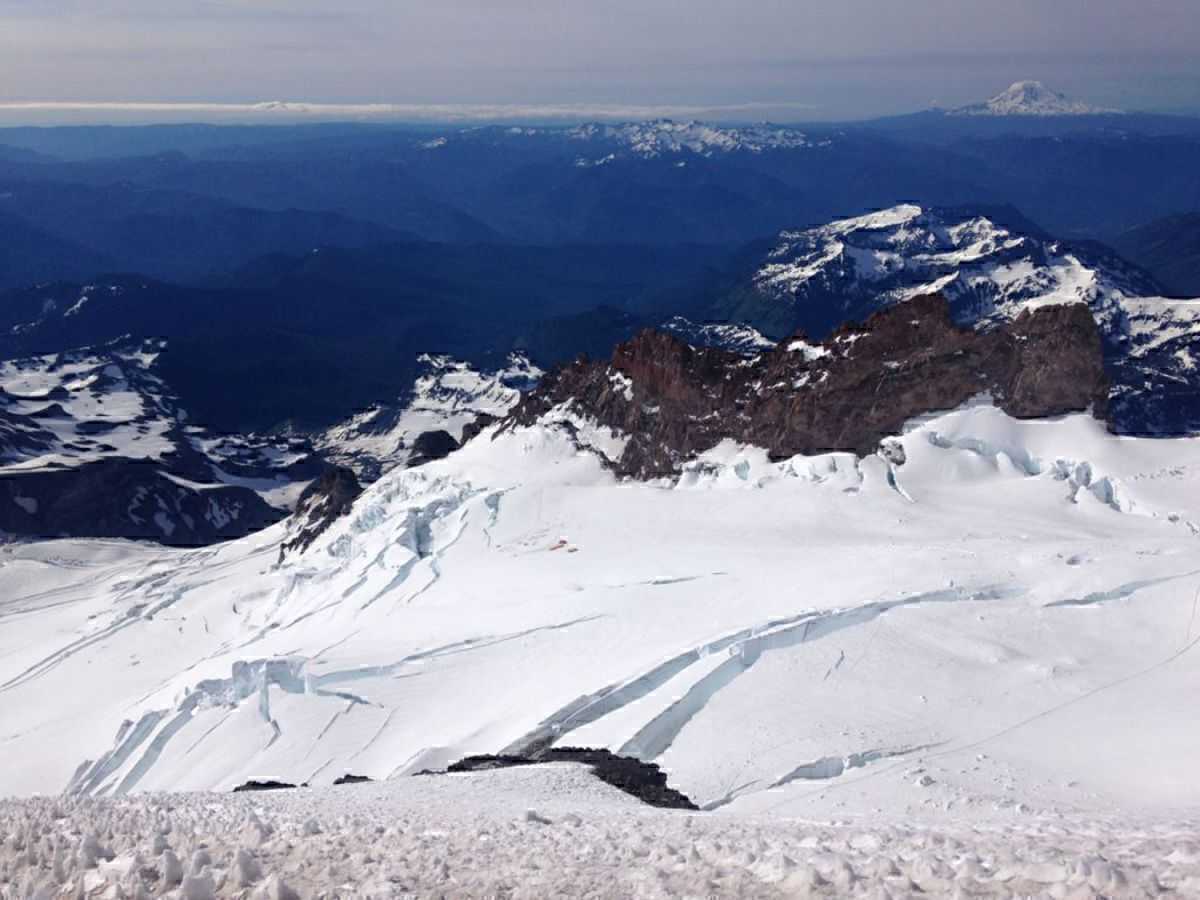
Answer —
982 599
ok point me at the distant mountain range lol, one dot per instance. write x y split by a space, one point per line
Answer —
190 202
270 348
307 340
364 287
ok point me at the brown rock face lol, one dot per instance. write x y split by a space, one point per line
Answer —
323 502
861 385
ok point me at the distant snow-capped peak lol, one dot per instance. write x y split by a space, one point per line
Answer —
1031 98
664 136
989 270
447 395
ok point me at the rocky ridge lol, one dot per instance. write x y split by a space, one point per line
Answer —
992 266
322 503
666 401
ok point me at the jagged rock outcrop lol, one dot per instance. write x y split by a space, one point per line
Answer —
673 400
323 502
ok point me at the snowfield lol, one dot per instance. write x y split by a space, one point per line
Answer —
65 410
978 647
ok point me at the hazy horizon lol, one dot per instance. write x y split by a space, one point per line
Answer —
786 62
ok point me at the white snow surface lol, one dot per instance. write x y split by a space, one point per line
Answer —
1003 626
87 405
1031 98
908 251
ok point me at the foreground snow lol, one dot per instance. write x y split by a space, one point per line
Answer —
554 831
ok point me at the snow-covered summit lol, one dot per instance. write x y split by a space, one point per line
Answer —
992 266
1030 98
989 270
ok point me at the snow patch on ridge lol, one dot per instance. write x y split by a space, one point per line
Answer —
663 137
587 433
988 271
735 337
447 396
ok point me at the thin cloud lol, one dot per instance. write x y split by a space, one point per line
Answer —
291 112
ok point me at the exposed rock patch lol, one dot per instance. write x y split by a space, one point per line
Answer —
267 785
643 780
673 400
473 428
431 445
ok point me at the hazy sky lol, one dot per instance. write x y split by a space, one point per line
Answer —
826 59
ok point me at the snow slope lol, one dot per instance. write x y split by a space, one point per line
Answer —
447 396
992 620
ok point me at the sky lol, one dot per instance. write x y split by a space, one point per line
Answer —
793 59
